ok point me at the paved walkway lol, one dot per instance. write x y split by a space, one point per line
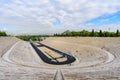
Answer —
58 75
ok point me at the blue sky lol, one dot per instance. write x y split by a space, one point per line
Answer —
56 22
52 16
104 20
5 28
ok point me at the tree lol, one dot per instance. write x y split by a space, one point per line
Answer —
75 33
30 37
92 33
117 33
56 34
84 33
106 34
2 33
100 33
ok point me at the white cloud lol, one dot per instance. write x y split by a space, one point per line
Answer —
38 15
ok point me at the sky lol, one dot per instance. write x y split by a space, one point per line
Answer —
54 16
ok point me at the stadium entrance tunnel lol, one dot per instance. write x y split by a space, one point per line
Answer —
51 55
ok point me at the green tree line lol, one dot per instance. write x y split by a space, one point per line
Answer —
92 33
28 37
2 33
32 37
